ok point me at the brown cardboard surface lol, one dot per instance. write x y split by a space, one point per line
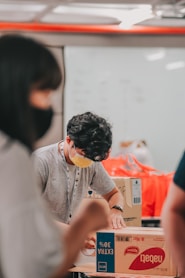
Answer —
138 251
90 269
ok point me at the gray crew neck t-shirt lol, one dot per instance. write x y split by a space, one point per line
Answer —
52 178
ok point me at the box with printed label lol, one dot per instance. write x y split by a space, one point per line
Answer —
133 251
131 190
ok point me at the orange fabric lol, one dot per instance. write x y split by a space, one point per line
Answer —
113 164
162 184
148 196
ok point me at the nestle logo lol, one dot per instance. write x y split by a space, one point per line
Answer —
150 258
131 250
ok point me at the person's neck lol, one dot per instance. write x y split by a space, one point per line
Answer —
66 153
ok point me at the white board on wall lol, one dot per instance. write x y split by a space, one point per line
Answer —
140 91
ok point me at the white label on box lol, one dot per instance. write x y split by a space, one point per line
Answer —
136 191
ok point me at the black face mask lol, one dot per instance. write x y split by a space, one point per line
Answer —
42 121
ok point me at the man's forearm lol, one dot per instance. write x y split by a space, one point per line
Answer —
116 200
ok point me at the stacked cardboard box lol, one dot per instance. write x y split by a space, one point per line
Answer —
134 251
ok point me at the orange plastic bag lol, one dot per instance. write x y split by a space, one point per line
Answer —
113 164
162 185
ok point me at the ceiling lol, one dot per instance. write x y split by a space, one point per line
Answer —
130 12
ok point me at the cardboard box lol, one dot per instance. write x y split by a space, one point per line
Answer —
131 190
134 251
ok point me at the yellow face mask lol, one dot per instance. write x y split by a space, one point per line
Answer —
81 161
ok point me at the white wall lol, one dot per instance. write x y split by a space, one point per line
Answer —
141 98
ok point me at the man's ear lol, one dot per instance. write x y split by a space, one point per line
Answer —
68 139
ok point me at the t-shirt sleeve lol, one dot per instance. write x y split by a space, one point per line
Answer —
179 177
101 181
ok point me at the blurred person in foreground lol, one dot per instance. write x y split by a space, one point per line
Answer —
32 246
173 217
67 169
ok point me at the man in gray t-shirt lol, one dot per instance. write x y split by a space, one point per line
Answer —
65 170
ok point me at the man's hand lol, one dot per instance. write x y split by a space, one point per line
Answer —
115 199
90 242
116 219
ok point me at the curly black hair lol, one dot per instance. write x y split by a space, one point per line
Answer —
92 134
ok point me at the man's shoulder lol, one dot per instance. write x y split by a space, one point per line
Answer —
97 167
45 151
